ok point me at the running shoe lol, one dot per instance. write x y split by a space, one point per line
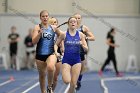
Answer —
78 86
49 90
119 74
100 73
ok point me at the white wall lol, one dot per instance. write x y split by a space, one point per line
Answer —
138 43
1 6
127 7
35 6
97 49
111 6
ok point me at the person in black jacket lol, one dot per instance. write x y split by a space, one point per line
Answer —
111 52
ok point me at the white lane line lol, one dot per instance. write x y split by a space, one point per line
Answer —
104 86
22 85
122 78
66 90
30 88
6 82
14 90
115 78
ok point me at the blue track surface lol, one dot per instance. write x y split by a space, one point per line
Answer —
90 84
123 86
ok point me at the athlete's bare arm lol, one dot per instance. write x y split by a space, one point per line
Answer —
59 41
36 34
83 42
88 33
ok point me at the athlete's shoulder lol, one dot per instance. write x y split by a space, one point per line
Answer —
81 35
54 27
63 33
84 27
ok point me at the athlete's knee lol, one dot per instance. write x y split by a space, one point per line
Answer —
50 67
66 80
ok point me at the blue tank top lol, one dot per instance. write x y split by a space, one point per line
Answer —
72 48
45 46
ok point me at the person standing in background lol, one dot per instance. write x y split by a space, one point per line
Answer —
30 50
13 40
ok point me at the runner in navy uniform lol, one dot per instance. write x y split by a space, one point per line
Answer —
89 37
43 36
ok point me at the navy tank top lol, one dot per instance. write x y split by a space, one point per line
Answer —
45 46
80 29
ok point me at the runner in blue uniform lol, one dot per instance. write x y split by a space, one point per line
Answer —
43 36
71 62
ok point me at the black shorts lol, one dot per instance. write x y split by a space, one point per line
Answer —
42 57
13 50
59 59
82 56
12 53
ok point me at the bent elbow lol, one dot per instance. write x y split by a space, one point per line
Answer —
93 39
